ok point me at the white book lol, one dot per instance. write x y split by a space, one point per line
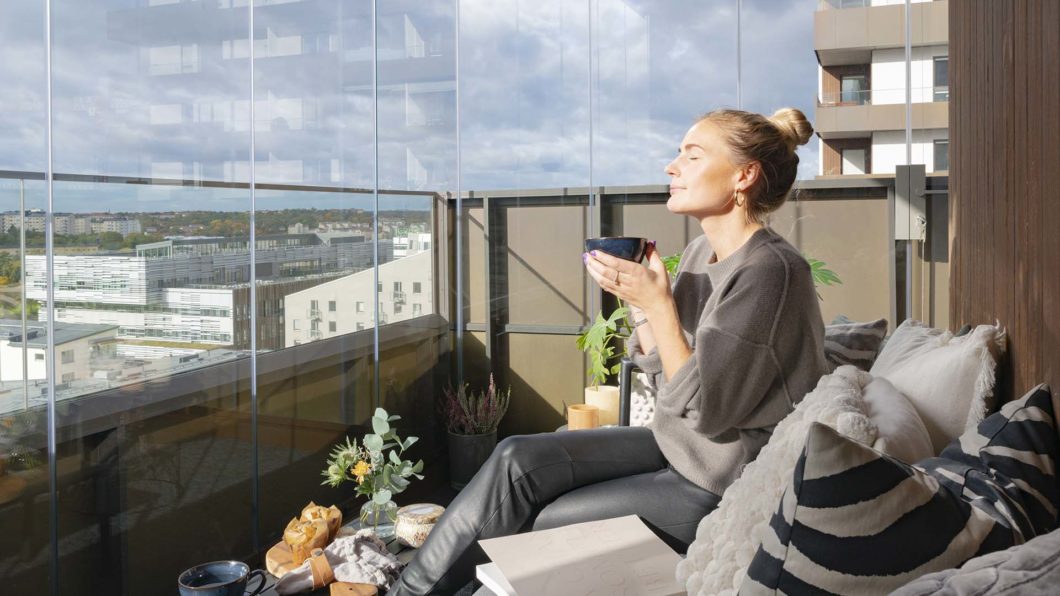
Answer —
619 556
491 577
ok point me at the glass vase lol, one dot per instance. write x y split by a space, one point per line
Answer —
380 518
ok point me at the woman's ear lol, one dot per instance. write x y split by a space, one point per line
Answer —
747 175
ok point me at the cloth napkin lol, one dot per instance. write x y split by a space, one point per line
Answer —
361 559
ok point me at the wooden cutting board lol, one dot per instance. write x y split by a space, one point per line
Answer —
279 560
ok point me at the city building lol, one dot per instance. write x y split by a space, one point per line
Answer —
861 112
76 346
405 290
71 223
195 291
411 243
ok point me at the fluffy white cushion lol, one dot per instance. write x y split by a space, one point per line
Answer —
949 380
900 431
717 560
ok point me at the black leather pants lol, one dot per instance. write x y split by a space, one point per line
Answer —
553 479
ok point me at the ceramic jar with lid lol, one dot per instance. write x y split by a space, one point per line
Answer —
415 522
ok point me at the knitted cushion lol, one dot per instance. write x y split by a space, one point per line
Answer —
718 558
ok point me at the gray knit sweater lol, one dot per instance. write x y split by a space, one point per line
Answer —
757 338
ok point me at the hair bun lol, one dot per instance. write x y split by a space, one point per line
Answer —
793 124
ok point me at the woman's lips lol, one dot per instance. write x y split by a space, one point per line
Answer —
674 189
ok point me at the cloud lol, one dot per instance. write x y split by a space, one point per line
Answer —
528 114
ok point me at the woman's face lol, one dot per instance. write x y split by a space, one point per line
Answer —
702 176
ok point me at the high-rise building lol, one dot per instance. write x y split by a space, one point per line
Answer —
861 114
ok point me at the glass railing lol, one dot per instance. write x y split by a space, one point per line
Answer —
152 361
840 4
883 96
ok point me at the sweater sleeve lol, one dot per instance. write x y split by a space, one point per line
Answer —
650 362
733 366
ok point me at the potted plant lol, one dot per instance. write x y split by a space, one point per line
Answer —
378 469
597 343
472 420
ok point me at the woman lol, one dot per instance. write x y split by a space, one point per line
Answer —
732 346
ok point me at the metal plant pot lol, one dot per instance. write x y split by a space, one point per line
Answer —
467 453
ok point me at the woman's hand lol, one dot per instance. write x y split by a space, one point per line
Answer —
642 287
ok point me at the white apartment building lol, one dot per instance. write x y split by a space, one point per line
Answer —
344 305
861 116
411 243
76 345
192 291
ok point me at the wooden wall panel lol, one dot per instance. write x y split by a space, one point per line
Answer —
1050 131
1005 169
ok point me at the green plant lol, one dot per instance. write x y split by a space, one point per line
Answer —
376 465
822 276
467 413
596 341
672 262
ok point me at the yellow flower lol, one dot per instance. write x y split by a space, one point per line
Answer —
360 470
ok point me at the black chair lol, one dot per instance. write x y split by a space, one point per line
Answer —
625 383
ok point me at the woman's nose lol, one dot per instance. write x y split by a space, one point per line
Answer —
671 169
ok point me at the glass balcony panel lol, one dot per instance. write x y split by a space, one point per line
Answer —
844 230
150 313
926 280
25 496
24 491
660 66
417 176
524 109
315 255
524 118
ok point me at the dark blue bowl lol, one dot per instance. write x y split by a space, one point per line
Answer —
623 247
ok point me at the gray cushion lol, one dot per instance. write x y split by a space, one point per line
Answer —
1032 568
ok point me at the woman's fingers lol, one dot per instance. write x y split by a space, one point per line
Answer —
609 261
655 262
603 274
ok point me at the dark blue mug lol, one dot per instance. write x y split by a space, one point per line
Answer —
219 578
623 247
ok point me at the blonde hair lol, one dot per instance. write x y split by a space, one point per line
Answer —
769 141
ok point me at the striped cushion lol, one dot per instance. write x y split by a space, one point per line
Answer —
847 342
855 521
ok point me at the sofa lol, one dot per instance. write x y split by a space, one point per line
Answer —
897 473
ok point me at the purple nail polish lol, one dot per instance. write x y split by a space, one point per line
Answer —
593 253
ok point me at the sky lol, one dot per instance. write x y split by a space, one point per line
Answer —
163 91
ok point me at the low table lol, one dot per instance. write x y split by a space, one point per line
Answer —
403 553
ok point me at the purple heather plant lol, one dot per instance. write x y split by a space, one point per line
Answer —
468 413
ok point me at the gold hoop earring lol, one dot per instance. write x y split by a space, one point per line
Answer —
736 198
